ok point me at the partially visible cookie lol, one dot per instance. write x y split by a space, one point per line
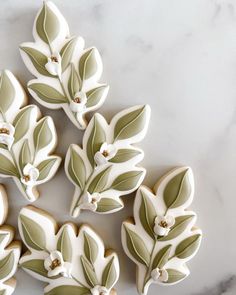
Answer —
69 260
163 237
9 251
67 73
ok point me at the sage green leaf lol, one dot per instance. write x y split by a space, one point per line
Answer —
89 273
22 122
73 82
47 93
42 134
188 246
46 166
69 290
64 245
7 167
161 257
36 265
109 275
95 95
127 181
3 292
77 169
124 155
33 234
88 64
7 93
96 138
137 247
177 190
67 53
7 265
181 223
47 24
25 155
107 204
130 124
174 276
90 248
38 60
147 215
99 182
3 146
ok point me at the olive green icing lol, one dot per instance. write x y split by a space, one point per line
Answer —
2 292
34 235
89 272
73 82
7 167
127 181
35 265
124 155
69 290
109 274
175 276
7 93
67 53
177 190
107 204
22 122
130 124
77 169
47 24
42 134
64 245
87 64
45 167
90 248
100 181
188 247
25 155
6 265
95 95
161 257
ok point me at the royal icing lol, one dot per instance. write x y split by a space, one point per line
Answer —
26 139
67 73
162 237
105 168
70 260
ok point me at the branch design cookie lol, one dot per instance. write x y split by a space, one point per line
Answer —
162 237
67 74
69 260
25 142
105 168
9 251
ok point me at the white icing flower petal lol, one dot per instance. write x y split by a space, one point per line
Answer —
97 290
31 175
82 97
170 220
52 269
164 276
7 134
53 66
56 255
100 159
155 274
77 107
89 201
86 198
163 225
104 147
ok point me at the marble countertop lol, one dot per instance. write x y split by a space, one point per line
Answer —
179 57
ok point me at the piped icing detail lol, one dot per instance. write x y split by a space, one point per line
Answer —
163 237
69 260
67 74
105 168
26 139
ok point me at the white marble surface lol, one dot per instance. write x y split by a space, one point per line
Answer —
180 57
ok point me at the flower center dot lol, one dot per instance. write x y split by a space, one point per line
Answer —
4 131
26 178
105 154
77 100
164 224
55 264
54 59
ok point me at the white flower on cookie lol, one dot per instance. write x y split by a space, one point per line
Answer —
106 152
55 265
159 275
29 178
53 66
78 104
7 132
89 201
163 225
99 290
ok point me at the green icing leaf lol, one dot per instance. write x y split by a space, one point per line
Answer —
46 166
161 257
147 215
88 64
6 265
107 204
7 92
25 155
42 134
177 190
90 248
100 181
137 247
174 276
34 235
77 169
95 95
36 265
69 290
96 138
7 167
130 124
124 155
2 292
47 24
127 181
38 60
73 82
22 122
180 225
89 273
47 93
64 245
67 53
188 247
109 275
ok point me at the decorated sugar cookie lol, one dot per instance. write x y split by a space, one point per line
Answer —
9 251
162 238
26 139
105 168
69 260
67 73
